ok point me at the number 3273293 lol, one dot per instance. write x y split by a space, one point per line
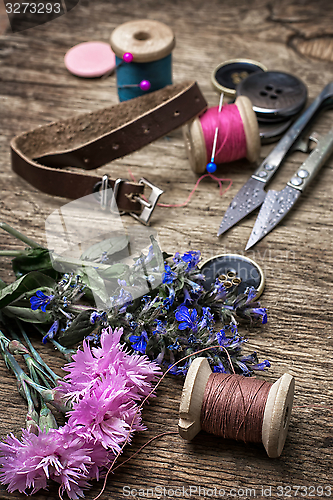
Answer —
33 8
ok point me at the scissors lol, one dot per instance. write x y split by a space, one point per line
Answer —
276 204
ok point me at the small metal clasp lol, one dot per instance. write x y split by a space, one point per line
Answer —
113 204
148 206
101 194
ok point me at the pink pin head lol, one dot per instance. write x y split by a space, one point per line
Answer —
145 85
128 57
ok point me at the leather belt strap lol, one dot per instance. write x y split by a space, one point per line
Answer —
91 140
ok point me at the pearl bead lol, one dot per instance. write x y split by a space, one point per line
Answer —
211 167
145 85
128 57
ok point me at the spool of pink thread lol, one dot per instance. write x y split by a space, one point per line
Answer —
238 135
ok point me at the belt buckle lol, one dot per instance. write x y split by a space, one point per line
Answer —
148 206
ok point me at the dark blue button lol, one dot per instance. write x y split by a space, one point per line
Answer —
247 270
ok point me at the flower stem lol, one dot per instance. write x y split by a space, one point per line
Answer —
54 377
67 353
31 243
12 253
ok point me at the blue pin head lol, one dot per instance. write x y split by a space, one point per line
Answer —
211 167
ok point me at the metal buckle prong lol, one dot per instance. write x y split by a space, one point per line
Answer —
113 204
104 192
148 206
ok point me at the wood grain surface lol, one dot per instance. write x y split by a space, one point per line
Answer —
296 257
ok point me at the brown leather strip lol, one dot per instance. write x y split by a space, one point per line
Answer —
91 140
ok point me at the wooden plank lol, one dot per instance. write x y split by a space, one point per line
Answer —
296 257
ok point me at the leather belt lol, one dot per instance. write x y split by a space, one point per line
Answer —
91 140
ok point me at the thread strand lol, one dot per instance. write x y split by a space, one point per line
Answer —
233 407
231 140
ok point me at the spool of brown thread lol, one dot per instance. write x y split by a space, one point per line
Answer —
236 407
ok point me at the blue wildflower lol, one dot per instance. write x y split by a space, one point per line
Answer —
188 320
192 339
168 276
233 328
139 342
250 358
52 332
95 316
195 287
244 369
221 338
40 300
192 258
252 362
261 366
187 297
175 347
259 311
124 299
231 342
179 370
219 290
169 300
252 293
219 368
176 258
207 319
160 327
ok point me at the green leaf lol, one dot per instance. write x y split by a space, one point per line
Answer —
27 314
27 283
79 328
34 259
114 246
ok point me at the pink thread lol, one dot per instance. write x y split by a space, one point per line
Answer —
231 139
177 205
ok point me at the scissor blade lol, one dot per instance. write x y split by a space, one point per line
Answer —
248 198
275 207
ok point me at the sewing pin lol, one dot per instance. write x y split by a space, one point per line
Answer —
211 166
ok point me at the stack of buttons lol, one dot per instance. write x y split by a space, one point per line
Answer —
277 100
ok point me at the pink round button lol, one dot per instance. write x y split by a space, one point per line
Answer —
90 59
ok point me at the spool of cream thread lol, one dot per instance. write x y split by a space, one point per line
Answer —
150 43
195 141
276 415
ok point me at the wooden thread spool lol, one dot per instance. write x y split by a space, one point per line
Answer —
276 415
150 43
195 141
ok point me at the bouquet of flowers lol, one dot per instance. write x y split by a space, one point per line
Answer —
125 347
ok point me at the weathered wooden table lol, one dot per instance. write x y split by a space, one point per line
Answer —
297 257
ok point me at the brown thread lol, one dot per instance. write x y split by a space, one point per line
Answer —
233 407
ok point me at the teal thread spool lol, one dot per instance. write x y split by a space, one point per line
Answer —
150 43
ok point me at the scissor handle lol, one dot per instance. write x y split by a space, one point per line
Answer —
272 162
309 169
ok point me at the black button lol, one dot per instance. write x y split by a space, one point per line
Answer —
274 95
244 268
272 131
227 75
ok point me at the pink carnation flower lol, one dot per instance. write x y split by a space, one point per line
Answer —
61 455
106 413
104 384
138 371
